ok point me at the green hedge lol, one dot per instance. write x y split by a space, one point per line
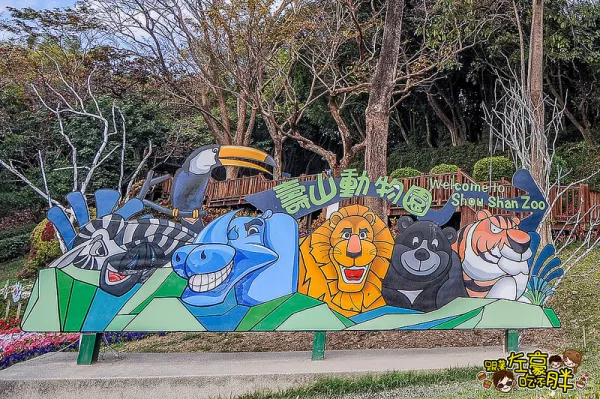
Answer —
17 231
500 167
14 247
444 168
425 158
16 200
402 173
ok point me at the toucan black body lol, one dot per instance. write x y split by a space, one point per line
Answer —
190 181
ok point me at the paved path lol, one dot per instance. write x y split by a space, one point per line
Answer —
210 375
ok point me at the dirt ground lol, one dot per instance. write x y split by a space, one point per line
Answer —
302 341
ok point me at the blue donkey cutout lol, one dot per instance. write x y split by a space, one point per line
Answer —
245 254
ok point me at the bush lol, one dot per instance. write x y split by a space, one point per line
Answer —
558 164
44 249
14 247
581 162
402 173
425 158
500 167
17 231
444 168
17 200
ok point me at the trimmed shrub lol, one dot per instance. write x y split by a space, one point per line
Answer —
425 158
17 231
17 200
44 249
500 167
14 247
402 173
444 168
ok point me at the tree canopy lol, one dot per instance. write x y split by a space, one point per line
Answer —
292 77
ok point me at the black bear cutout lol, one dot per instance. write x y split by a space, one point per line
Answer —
425 273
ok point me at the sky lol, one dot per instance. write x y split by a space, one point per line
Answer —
37 4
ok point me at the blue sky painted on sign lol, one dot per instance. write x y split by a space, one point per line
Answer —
37 4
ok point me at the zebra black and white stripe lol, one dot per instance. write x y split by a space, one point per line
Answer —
127 234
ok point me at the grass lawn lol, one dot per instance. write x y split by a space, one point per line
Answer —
9 270
459 383
369 384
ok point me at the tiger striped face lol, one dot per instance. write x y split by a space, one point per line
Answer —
490 248
499 233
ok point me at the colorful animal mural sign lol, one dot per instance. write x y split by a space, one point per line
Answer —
123 271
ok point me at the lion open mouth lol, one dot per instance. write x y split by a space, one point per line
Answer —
354 274
208 281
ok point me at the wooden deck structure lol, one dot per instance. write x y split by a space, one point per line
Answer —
578 206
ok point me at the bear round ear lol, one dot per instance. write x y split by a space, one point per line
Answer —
483 214
404 223
370 216
335 218
450 234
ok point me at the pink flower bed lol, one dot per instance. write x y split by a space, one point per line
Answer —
17 345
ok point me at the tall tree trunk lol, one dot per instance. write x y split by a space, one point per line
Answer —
278 140
539 146
380 95
458 133
278 155
428 130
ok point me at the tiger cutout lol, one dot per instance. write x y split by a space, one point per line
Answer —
345 259
494 254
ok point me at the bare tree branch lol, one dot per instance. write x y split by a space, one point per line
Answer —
11 168
138 169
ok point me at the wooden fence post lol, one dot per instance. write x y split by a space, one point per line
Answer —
584 193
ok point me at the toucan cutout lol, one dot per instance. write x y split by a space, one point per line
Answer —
190 181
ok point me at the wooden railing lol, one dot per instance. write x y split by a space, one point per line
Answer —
577 205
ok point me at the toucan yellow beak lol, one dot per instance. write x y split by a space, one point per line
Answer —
233 155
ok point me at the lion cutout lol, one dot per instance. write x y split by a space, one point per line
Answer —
344 260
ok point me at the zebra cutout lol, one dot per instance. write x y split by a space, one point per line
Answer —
126 252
